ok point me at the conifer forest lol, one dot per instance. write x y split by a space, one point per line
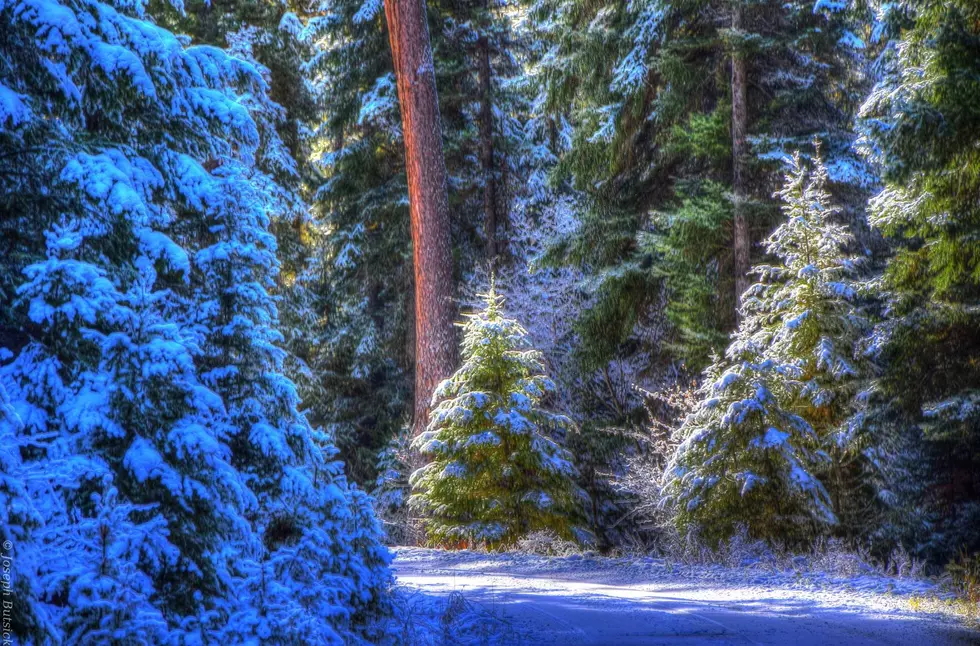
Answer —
292 291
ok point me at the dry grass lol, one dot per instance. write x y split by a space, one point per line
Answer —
964 582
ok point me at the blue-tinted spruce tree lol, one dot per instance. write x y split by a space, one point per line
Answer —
136 203
18 521
302 515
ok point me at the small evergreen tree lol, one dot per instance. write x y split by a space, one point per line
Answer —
498 471
769 437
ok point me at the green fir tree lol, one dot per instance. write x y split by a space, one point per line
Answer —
769 445
498 470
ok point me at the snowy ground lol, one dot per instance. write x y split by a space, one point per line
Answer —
523 599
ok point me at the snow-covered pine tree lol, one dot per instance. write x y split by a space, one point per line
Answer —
824 318
304 515
133 161
498 470
145 408
920 126
111 400
269 36
769 446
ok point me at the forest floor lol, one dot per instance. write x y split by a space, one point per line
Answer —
475 598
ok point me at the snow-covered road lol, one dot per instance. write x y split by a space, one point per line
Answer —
597 601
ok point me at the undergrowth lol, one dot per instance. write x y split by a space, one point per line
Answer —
956 592
419 619
964 581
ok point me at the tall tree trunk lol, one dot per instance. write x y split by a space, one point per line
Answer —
338 140
435 347
486 149
740 118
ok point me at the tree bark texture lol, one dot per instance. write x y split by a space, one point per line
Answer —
435 345
486 149
740 227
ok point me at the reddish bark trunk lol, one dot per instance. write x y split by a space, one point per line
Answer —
435 347
740 233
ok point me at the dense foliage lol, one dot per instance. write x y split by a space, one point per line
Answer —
921 126
164 485
207 317
651 147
